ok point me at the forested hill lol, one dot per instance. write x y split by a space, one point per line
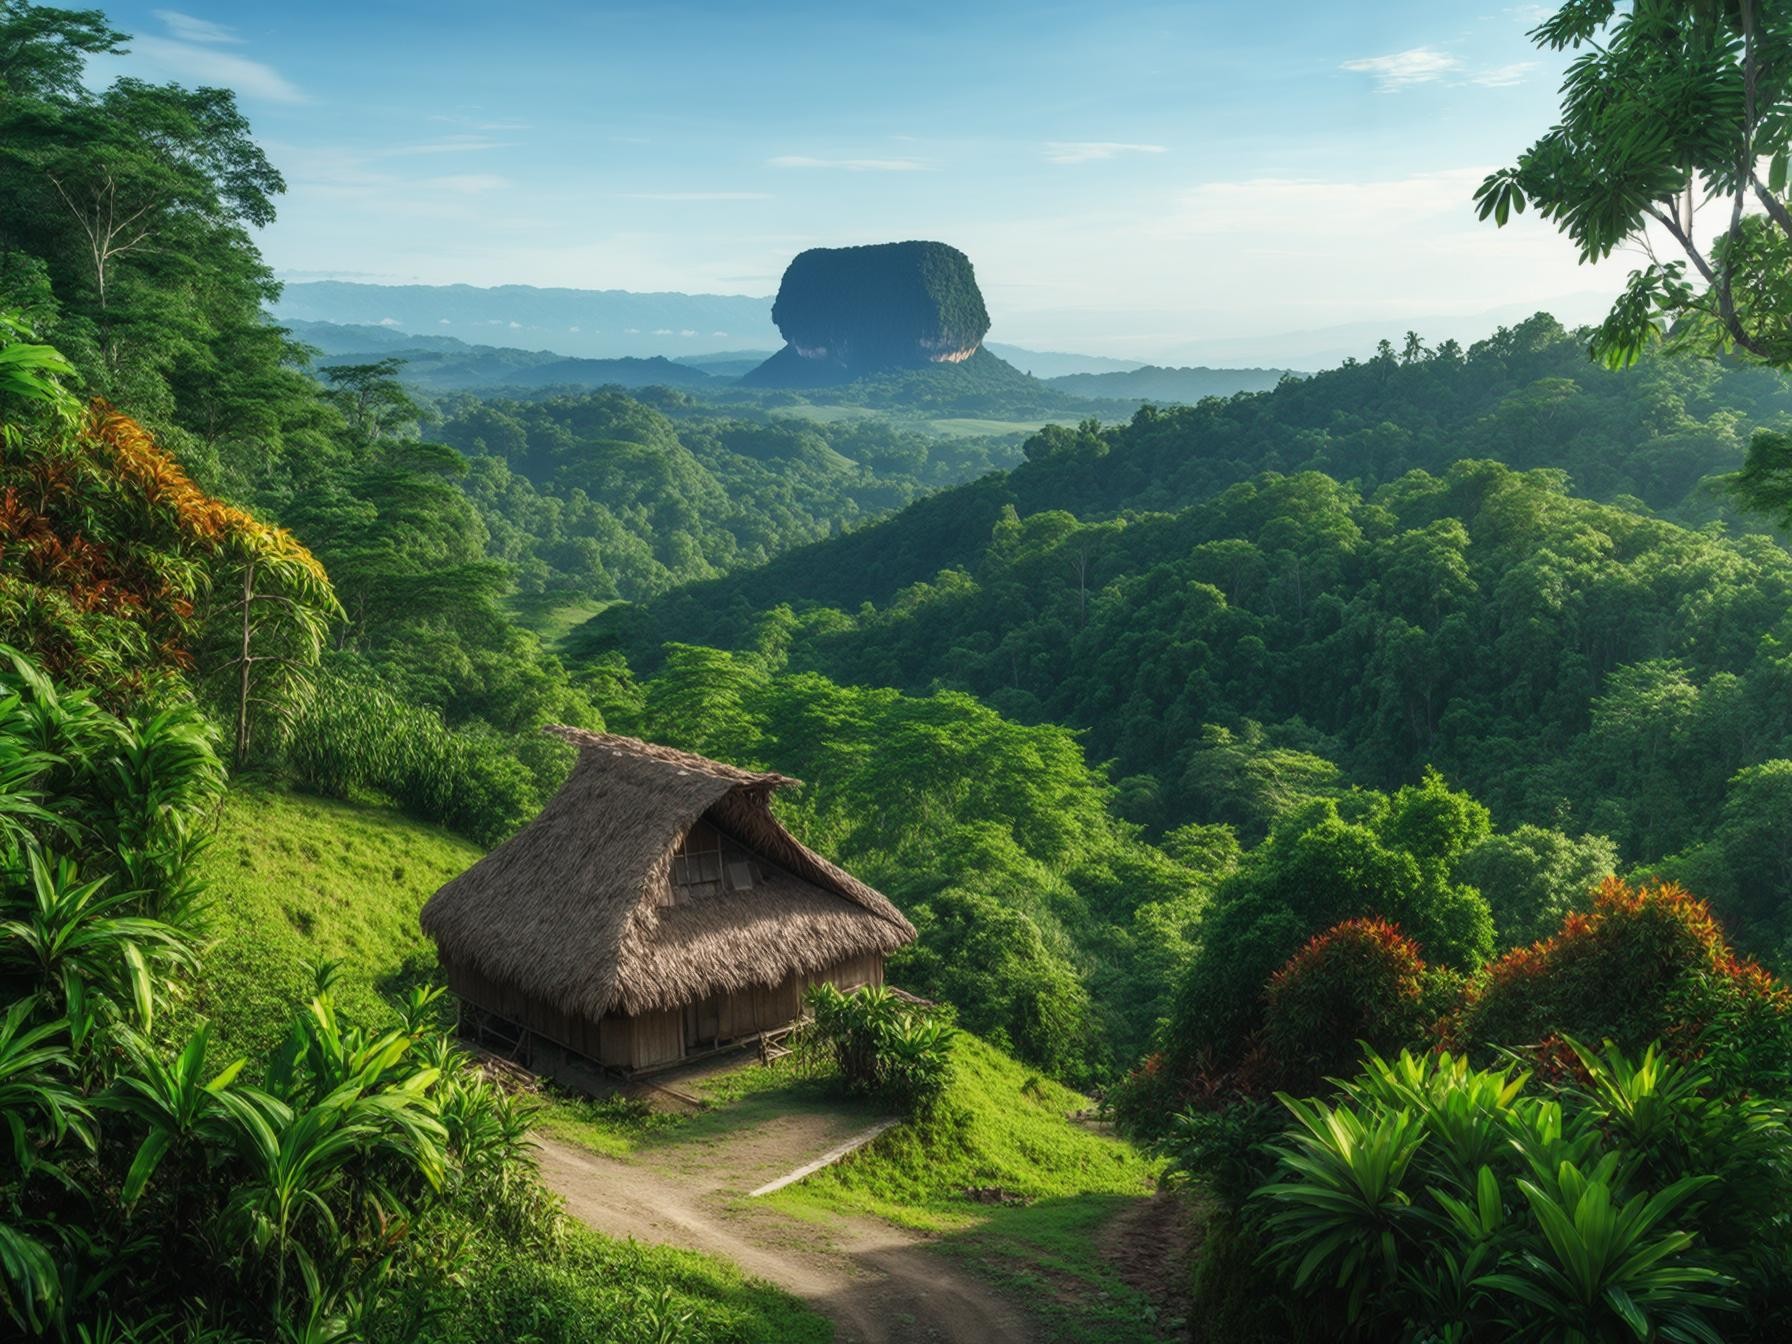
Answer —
1387 566
1651 438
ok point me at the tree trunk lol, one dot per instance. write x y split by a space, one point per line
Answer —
242 695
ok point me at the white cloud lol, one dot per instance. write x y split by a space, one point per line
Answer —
443 322
189 29
1088 151
467 184
695 195
1402 69
1500 76
191 55
192 63
388 322
849 165
516 326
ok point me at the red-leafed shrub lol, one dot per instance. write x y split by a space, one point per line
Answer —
1646 963
1359 981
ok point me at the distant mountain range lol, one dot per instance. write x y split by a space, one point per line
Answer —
726 334
447 363
583 323
1058 363
613 323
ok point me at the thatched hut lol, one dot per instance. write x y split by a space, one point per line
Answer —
654 910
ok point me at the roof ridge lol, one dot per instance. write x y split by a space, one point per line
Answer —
617 743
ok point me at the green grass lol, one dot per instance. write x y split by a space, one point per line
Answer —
1001 1125
294 880
962 427
827 415
593 1291
951 427
554 616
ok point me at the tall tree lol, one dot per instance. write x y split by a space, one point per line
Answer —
44 49
1673 107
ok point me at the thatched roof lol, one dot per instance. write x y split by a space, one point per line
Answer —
574 908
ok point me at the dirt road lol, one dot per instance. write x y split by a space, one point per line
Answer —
880 1284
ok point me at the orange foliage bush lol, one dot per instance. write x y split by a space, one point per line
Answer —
1646 963
1360 981
107 545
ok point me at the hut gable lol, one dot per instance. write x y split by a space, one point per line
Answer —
582 908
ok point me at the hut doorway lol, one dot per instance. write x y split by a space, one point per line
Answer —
703 1022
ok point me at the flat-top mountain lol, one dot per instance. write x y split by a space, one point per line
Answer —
850 312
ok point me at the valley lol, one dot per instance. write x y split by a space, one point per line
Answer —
738 810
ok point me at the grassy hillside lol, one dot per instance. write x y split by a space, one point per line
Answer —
295 880
1055 1184
1000 1126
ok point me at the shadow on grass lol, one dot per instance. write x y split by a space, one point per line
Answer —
1047 1255
419 968
731 1104
725 1115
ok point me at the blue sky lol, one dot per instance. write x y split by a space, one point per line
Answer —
1123 175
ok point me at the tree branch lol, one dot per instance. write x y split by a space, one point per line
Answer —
1776 209
1726 306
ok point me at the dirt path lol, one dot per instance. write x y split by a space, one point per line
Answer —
1151 1245
878 1283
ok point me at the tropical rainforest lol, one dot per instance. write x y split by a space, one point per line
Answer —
1376 788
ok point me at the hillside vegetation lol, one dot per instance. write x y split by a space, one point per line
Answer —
293 881
1005 1132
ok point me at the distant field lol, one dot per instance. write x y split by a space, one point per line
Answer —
827 415
553 618
951 427
970 429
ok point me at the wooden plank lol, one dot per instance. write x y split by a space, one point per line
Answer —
827 1159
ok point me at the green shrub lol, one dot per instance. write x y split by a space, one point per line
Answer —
1359 983
355 736
1436 1201
881 1048
1328 861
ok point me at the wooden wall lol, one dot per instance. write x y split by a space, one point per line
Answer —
647 1040
657 1038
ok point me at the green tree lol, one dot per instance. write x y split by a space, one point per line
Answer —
1671 106
44 49
1533 876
